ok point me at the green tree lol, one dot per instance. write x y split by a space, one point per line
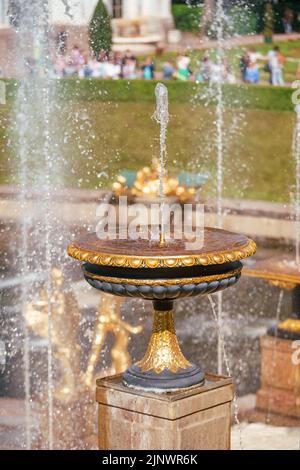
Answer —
100 30
269 23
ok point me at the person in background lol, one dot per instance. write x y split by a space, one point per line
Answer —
96 67
128 55
86 70
254 56
148 69
168 70
129 65
118 58
70 69
59 65
129 69
218 72
276 65
111 68
244 64
252 70
287 21
76 58
102 57
203 74
228 72
252 73
183 72
270 57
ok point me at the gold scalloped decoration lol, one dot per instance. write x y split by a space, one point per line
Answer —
188 262
218 259
170 262
152 262
230 257
120 261
135 263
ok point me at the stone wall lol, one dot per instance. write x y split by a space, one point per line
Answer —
7 56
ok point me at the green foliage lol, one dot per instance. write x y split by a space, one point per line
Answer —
254 11
100 30
244 20
187 18
279 9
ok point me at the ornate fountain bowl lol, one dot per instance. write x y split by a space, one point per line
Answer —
147 270
281 271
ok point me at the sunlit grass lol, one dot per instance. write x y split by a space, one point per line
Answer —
257 160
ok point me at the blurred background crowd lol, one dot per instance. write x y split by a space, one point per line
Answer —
180 66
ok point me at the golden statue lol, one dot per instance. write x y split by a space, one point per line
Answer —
109 321
65 318
147 185
65 322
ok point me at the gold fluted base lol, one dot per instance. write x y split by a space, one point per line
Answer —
163 351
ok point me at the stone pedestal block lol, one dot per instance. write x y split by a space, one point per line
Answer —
280 378
193 419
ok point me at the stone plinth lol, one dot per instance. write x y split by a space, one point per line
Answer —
192 419
280 378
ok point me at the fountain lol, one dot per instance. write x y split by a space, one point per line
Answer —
281 272
178 281
279 392
162 274
162 271
285 271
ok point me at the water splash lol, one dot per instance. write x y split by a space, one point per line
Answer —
22 124
68 9
296 155
38 172
161 116
219 141
218 320
220 111
278 312
33 19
